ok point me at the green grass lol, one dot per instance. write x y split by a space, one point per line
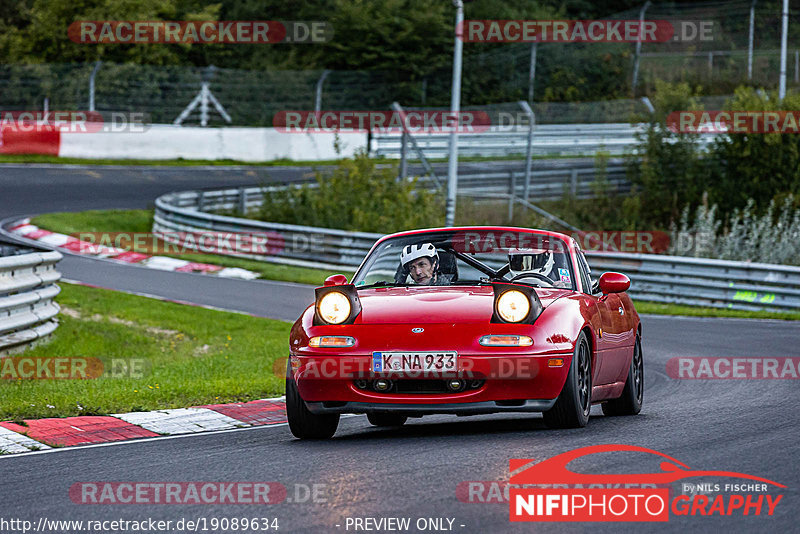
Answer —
657 308
142 220
190 356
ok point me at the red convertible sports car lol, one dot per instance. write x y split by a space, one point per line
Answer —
466 321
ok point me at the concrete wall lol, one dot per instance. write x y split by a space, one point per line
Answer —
171 142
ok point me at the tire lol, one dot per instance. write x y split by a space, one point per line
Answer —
303 423
573 405
630 402
386 419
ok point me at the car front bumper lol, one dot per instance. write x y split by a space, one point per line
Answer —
509 383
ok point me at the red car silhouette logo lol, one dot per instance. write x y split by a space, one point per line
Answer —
554 470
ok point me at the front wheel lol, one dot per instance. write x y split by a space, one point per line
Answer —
303 423
386 419
630 402
573 405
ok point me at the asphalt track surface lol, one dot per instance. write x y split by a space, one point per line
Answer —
748 426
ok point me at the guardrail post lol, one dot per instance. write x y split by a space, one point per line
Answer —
201 200
573 178
512 185
242 201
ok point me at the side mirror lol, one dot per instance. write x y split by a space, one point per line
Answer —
335 280
614 283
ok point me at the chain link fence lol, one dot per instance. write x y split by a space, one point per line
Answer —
570 78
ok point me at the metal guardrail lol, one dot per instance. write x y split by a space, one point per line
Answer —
548 140
705 282
578 181
27 289
658 278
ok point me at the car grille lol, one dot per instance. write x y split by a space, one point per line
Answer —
418 386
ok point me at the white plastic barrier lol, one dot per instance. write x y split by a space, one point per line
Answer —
240 144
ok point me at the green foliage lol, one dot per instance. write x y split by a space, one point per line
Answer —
357 195
666 168
755 166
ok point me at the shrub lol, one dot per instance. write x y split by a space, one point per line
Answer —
755 166
357 195
665 169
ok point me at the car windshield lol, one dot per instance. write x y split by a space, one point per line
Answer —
469 257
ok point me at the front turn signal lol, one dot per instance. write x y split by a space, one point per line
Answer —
331 341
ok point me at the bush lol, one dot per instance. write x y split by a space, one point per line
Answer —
357 195
755 167
665 169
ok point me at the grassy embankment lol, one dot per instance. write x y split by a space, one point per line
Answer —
180 356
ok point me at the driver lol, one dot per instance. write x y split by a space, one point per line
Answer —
422 263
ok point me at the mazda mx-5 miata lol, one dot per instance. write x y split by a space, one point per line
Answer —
466 321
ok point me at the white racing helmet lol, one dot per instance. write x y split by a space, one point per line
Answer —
414 252
530 261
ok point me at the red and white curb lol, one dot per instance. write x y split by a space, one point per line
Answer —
12 442
40 434
72 245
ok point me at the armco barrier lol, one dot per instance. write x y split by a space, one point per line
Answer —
658 278
548 139
27 289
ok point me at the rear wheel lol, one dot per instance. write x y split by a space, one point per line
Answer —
386 419
303 423
630 402
573 405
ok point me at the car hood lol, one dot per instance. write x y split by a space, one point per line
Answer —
403 305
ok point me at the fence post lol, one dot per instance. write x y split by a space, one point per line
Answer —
750 41
529 149
403 155
512 186
638 50
318 99
91 84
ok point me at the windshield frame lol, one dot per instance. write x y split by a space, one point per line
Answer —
442 239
